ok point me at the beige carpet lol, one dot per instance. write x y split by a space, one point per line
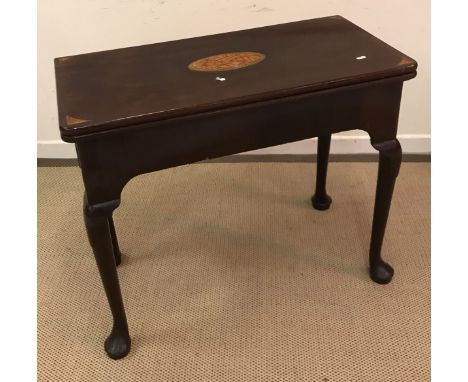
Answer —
230 275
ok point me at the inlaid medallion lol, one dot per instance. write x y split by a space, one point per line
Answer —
226 61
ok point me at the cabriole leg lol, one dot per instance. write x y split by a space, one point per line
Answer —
321 201
97 220
389 166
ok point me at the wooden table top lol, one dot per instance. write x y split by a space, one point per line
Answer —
124 87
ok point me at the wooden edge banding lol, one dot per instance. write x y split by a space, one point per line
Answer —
74 121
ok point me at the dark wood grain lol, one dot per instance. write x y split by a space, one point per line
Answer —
117 344
122 87
111 158
320 200
141 109
389 167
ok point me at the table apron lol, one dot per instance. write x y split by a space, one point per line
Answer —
109 160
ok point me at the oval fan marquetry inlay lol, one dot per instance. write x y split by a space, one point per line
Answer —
226 61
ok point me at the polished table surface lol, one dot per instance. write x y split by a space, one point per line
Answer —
115 88
136 110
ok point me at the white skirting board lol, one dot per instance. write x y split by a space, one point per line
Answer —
341 144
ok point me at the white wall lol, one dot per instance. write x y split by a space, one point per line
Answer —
67 27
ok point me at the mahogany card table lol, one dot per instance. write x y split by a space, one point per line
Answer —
140 109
